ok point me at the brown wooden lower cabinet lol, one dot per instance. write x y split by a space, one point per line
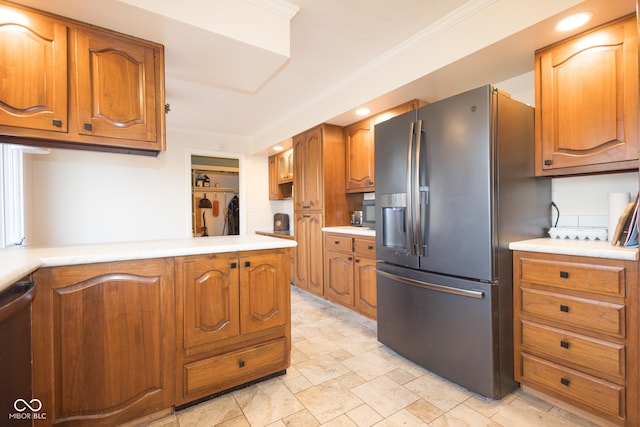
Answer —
113 342
233 317
350 272
104 341
576 330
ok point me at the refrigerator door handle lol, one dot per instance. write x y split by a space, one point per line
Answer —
409 208
438 288
416 192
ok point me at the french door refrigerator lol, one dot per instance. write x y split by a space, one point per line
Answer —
454 185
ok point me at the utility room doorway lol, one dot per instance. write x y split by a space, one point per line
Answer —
215 209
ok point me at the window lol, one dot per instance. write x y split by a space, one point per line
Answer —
11 195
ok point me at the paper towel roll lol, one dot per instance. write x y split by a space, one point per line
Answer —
617 203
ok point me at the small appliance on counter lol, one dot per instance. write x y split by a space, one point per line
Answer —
356 218
280 222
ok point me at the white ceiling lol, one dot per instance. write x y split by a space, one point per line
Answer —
343 54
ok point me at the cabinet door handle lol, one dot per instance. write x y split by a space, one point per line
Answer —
350 259
370 247
88 126
57 123
306 206
357 259
564 343
564 308
247 263
306 216
564 381
335 242
547 162
234 265
564 274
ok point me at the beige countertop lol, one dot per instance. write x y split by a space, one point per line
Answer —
595 248
17 262
349 229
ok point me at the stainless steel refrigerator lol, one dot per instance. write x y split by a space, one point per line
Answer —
454 185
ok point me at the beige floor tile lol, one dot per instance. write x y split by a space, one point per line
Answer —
341 421
369 365
351 380
489 407
210 413
424 410
240 421
364 416
302 419
385 395
328 400
321 369
438 391
296 384
528 411
401 418
266 402
463 416
314 347
401 375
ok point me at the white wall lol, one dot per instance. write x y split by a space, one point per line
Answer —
77 197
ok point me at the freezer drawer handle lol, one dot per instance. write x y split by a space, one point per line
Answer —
433 287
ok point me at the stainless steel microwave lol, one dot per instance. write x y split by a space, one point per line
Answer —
369 213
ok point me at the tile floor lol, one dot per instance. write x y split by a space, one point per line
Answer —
340 375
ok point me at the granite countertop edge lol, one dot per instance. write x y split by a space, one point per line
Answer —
595 249
350 229
18 262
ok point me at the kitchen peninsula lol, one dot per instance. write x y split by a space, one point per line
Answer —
162 323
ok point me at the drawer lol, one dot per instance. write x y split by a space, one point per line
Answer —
364 247
234 368
593 393
596 355
594 278
584 313
333 242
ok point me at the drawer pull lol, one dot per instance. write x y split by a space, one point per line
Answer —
241 364
564 274
350 259
564 381
564 344
335 242
564 308
88 126
370 247
57 123
247 263
234 265
357 260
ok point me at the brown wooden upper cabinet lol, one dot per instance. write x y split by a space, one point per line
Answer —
285 166
77 86
586 90
360 147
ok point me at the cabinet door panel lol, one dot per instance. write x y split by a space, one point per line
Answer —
116 88
211 311
33 87
585 114
302 250
339 277
366 291
104 341
263 296
360 157
315 253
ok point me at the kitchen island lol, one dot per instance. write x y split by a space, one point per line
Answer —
123 331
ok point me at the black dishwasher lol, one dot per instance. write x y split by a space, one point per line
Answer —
17 406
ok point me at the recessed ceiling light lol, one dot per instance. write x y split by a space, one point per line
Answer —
574 21
278 148
363 111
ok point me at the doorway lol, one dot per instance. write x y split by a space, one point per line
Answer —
215 209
